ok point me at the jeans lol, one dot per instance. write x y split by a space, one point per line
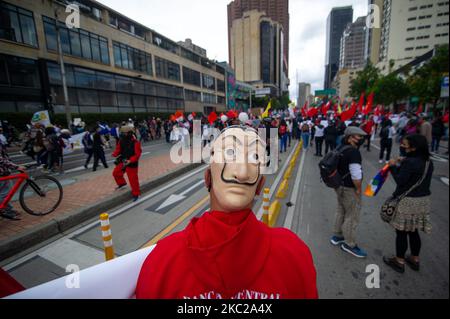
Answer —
339 140
5 187
436 140
283 143
305 137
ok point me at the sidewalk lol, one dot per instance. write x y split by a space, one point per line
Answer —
87 197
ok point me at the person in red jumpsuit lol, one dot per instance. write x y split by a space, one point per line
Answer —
227 253
128 151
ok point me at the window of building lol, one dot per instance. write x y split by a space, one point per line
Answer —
190 55
413 9
17 24
107 99
76 42
166 69
165 43
133 59
412 19
15 71
85 78
220 100
409 39
191 76
209 98
88 97
105 81
409 49
442 14
123 84
424 27
192 96
426 6
220 85
208 82
423 37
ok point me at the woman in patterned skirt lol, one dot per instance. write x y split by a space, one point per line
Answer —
413 211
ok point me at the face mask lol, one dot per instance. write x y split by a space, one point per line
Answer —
360 142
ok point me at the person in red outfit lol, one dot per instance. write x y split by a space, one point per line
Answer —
8 285
227 253
128 151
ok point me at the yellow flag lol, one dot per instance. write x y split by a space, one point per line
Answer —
339 109
266 112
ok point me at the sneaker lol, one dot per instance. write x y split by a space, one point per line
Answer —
380 161
355 251
135 198
120 186
394 264
336 240
412 263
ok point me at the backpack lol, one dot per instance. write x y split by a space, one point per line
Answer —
384 132
305 128
87 141
328 167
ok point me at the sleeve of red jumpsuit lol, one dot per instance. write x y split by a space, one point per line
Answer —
137 152
116 151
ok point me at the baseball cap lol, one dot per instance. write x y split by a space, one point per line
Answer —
353 130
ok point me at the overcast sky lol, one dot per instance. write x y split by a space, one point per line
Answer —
205 22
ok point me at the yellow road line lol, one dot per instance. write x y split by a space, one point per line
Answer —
175 223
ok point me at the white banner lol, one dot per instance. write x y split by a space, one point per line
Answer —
74 143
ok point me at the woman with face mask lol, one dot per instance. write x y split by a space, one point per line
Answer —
412 174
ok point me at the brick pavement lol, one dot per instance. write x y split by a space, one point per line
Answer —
87 190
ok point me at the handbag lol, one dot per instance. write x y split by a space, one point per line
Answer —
390 206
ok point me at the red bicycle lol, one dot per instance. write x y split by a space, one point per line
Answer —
38 196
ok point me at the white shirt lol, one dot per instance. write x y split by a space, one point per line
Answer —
319 132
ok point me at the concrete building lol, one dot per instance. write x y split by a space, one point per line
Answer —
256 52
113 64
342 82
353 45
337 21
373 35
304 93
191 46
409 30
277 10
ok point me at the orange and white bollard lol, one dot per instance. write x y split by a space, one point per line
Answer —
107 237
265 216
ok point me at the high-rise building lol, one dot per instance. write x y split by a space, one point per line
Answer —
277 10
337 21
353 45
409 30
113 64
373 35
256 43
304 93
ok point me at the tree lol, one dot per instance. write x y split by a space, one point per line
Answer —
425 83
285 101
390 89
364 81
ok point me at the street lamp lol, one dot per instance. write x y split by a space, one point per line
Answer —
63 74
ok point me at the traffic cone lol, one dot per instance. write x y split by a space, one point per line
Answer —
265 216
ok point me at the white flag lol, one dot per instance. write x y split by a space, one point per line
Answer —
42 118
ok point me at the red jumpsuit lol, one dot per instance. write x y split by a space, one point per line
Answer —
132 172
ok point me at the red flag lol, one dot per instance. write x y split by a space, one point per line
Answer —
348 114
419 110
172 118
232 114
361 103
378 110
212 117
313 111
368 108
304 109
326 108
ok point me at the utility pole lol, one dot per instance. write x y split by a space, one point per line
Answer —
63 74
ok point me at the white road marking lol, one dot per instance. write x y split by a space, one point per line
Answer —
173 198
290 212
277 180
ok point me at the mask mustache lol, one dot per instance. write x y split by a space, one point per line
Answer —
234 181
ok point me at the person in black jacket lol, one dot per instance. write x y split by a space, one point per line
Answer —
437 131
98 149
331 134
413 211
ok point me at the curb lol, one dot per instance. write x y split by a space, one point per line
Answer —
58 225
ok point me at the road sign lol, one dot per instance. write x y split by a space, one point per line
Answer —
262 92
414 99
325 92
444 87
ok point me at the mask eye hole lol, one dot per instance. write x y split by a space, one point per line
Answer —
230 154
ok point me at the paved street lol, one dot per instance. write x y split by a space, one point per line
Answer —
169 208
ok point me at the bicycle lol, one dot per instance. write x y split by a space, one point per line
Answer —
39 195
